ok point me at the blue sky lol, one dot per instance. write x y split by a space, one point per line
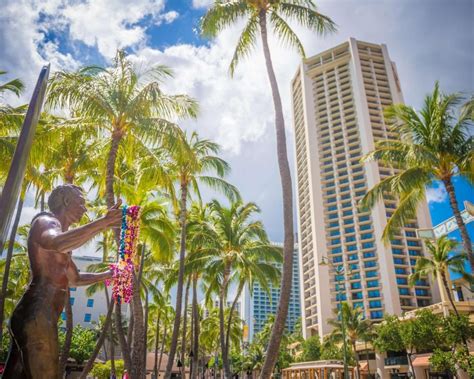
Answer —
428 40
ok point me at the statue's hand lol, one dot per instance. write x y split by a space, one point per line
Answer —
114 216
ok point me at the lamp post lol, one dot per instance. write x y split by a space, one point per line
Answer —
339 270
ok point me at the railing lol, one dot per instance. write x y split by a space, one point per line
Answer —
396 361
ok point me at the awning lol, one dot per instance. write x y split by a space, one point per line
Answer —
363 366
422 360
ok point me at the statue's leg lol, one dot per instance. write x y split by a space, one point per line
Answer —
14 364
39 347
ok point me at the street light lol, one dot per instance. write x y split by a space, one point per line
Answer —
339 272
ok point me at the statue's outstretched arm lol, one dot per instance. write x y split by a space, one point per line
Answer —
53 238
77 278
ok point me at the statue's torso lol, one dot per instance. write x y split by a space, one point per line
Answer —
46 293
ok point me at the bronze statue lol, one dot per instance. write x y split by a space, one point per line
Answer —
33 324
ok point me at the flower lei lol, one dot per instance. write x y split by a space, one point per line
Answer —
123 270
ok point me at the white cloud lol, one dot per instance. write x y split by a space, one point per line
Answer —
110 24
202 3
436 193
167 17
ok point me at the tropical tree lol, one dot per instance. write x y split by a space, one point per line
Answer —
438 262
259 14
434 145
130 109
356 327
191 162
239 251
9 114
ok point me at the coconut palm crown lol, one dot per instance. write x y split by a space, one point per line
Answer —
434 145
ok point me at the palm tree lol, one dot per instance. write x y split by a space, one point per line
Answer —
9 114
440 261
239 251
434 145
128 107
258 14
189 163
356 328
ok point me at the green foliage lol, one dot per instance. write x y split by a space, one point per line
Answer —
311 349
450 361
389 335
102 370
5 346
82 343
330 350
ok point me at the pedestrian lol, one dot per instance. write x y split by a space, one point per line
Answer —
125 375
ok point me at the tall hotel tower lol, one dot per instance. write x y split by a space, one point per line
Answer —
338 101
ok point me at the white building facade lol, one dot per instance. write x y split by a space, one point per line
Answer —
338 99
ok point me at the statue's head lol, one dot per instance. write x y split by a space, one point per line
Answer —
68 199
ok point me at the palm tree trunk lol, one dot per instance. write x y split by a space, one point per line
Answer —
222 302
288 245
131 324
100 341
466 240
356 359
145 330
137 343
112 350
68 337
124 347
138 339
195 370
110 199
8 261
165 334
179 290
368 361
229 322
157 336
410 363
185 325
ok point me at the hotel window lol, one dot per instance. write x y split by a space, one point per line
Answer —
354 266
376 314
364 218
358 304
63 316
353 257
357 296
404 291
399 261
369 254
371 274
349 230
365 227
333 224
414 253
90 303
400 271
413 243
402 281
397 251
347 213
375 304
369 264
359 185
71 300
350 239
332 208
72 288
337 259
373 283
341 297
334 233
356 286
336 241
336 250
374 293
348 221
352 248
367 245
366 236
421 292
87 317
333 216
